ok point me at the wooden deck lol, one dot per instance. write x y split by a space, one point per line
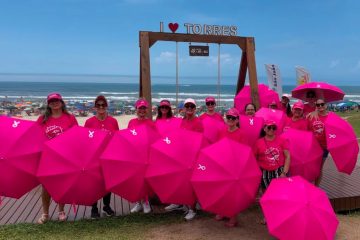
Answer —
342 189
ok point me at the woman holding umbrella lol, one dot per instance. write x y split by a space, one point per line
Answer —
102 121
141 106
317 126
272 154
297 121
55 121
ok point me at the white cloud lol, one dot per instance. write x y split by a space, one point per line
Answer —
166 57
334 63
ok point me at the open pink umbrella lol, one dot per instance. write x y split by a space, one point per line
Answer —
273 114
266 96
306 154
323 90
171 162
226 177
21 143
164 126
295 209
212 128
341 143
252 127
125 161
70 166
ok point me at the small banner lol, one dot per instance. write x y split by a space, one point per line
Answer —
302 75
274 78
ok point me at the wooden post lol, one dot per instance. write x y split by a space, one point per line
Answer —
145 78
250 53
242 73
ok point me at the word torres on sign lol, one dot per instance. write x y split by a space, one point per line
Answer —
198 50
210 29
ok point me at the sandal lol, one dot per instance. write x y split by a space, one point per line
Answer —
43 219
62 216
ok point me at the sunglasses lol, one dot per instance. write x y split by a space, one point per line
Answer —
190 106
210 103
100 105
272 127
164 107
320 104
53 101
229 117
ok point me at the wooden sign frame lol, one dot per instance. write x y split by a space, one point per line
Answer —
247 62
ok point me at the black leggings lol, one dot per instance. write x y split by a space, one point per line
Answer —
106 201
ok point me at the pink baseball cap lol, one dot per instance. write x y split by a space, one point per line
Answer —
53 96
233 112
141 103
189 100
269 122
165 102
101 98
299 105
210 99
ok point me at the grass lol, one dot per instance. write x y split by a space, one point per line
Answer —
133 226
354 119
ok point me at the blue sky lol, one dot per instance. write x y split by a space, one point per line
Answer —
101 37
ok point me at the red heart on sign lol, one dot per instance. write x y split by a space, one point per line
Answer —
173 27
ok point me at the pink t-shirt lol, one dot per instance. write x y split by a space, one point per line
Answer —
109 124
270 154
308 109
317 126
300 124
56 126
194 124
238 135
133 123
216 116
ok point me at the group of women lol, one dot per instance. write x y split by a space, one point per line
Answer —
270 150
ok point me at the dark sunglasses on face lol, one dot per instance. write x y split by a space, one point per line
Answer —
210 103
190 106
53 101
272 127
320 104
100 105
229 117
164 107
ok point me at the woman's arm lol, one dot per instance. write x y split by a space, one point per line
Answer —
287 163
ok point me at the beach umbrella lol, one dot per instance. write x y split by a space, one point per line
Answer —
278 116
125 161
296 209
252 127
70 168
171 162
323 90
212 128
21 143
266 97
306 154
226 177
341 142
164 126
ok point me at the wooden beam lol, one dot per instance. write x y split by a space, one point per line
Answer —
250 53
145 78
242 72
181 37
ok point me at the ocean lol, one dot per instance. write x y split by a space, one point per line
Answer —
129 92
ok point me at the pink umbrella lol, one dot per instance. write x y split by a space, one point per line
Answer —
125 161
20 152
226 178
164 126
341 143
171 163
266 96
323 90
306 154
212 128
70 166
252 127
295 209
272 114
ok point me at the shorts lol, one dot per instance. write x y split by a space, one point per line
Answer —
267 176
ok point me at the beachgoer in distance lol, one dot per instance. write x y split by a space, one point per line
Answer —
54 122
107 123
